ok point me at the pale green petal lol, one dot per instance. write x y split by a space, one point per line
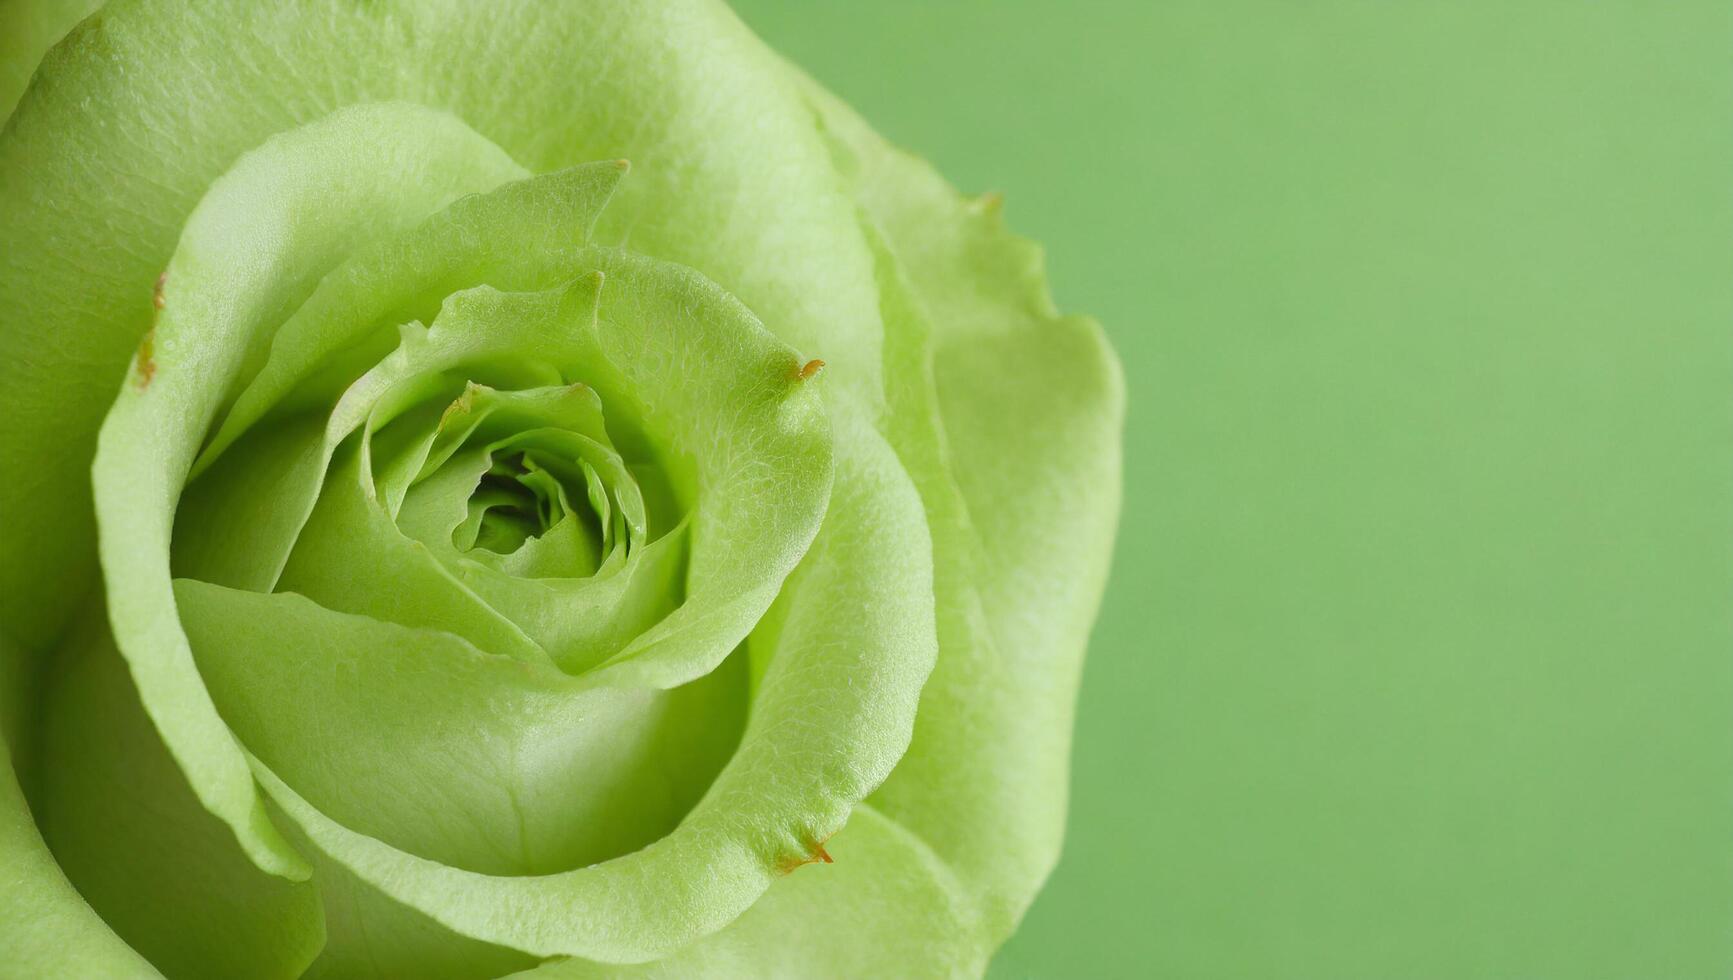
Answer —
46 928
473 760
527 235
566 550
368 170
884 907
697 369
583 621
846 652
1009 418
234 524
229 529
579 613
28 28
351 557
372 937
126 829
446 499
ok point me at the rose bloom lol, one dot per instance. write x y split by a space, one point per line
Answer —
437 547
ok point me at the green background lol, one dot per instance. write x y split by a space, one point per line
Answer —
1416 659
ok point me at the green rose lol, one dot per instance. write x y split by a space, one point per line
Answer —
433 551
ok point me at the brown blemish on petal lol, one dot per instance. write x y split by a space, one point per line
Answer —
156 292
808 369
146 361
815 854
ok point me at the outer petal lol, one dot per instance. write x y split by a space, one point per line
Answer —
28 28
885 907
369 169
167 876
1008 416
46 927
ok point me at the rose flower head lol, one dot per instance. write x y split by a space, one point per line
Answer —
436 547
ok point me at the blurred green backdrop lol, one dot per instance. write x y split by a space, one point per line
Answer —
1418 657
